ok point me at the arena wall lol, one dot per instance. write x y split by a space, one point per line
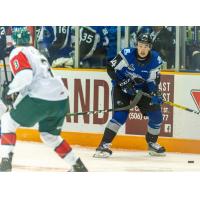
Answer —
90 90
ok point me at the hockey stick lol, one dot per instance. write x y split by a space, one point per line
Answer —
175 105
133 103
6 83
5 71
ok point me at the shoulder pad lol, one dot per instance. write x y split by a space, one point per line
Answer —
156 58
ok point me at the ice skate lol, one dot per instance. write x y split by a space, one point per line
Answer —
6 163
155 149
103 151
78 167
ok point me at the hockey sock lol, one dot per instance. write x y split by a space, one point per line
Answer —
71 158
151 138
60 146
63 149
8 141
108 136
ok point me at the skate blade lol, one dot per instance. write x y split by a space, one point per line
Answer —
71 170
153 153
101 155
8 170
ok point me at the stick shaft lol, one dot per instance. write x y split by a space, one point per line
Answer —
132 104
5 70
175 105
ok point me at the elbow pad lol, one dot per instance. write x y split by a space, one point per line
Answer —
20 81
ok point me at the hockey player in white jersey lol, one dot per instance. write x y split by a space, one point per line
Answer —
42 98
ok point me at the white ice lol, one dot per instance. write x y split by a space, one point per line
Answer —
32 156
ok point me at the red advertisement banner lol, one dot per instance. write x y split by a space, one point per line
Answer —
137 124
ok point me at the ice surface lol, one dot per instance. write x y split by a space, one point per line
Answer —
30 156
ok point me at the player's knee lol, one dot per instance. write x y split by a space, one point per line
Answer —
60 146
113 126
8 125
120 116
118 119
50 140
155 117
155 122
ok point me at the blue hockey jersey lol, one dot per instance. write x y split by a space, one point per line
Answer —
57 39
144 73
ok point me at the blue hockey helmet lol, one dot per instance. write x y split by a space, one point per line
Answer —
21 35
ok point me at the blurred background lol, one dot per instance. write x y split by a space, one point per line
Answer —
93 46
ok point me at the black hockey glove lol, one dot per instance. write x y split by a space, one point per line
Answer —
8 99
127 86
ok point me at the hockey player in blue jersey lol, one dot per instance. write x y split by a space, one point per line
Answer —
135 69
55 42
93 43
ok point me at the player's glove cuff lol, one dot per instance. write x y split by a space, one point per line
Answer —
156 98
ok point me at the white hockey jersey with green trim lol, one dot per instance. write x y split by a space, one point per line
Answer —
32 75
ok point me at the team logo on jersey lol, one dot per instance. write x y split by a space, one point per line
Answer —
196 97
16 64
126 51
